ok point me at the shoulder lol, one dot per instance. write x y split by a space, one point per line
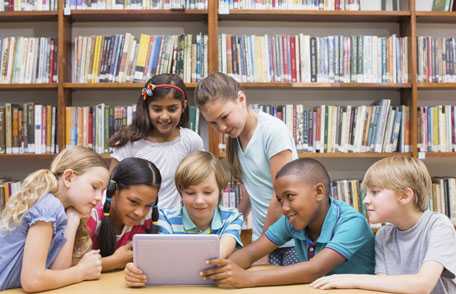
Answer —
270 123
128 149
48 208
349 217
230 214
190 137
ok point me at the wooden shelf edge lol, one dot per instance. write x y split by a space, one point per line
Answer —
325 86
28 15
440 154
27 156
106 86
437 86
27 86
351 154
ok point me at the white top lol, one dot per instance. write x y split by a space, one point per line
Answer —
271 136
166 156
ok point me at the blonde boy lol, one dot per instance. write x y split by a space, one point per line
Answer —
416 251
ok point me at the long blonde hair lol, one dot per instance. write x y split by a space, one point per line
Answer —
36 185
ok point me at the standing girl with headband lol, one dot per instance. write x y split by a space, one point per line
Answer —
158 133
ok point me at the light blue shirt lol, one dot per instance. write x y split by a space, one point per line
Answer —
226 221
47 209
271 136
344 230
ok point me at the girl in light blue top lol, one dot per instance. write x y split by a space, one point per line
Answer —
41 229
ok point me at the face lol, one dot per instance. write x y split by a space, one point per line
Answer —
201 200
131 205
165 114
227 116
381 204
299 200
84 191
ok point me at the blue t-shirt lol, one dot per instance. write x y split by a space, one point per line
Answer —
47 209
344 230
225 222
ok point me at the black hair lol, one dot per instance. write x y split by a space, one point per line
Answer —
309 170
141 125
129 172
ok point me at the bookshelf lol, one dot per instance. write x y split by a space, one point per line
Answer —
65 23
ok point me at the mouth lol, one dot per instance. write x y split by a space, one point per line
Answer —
133 219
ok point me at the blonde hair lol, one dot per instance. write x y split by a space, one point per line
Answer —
398 173
197 167
221 86
36 185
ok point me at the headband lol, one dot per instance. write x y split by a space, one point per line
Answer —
149 89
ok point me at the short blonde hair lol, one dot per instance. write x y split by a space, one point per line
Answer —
197 167
398 173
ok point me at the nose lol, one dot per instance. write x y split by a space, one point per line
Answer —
285 207
98 196
221 127
199 199
367 199
140 211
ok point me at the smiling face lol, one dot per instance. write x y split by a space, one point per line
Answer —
132 204
299 200
165 114
84 191
382 205
201 200
227 115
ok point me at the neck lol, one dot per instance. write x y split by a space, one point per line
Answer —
314 228
61 194
407 219
249 127
202 225
157 137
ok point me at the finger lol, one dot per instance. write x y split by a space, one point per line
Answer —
131 267
213 271
135 284
129 245
135 279
327 286
218 262
220 276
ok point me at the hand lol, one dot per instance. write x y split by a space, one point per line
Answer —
73 217
134 277
90 265
227 274
124 254
335 281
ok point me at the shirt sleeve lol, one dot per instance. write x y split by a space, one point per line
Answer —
351 235
279 232
278 139
442 246
380 253
122 152
234 227
163 223
48 209
193 141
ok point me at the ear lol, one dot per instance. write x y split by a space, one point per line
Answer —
320 192
241 97
407 196
67 177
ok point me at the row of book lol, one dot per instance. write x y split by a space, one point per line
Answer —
304 59
8 187
28 60
435 5
92 126
444 197
28 5
327 128
436 59
136 4
437 128
28 128
327 5
231 196
122 58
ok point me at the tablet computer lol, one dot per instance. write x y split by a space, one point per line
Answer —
174 259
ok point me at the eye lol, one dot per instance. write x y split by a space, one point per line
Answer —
225 117
189 193
172 109
133 202
290 197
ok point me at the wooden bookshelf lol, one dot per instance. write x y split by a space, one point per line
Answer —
440 154
361 86
28 156
138 15
33 16
28 86
351 154
315 15
436 86
435 17
107 86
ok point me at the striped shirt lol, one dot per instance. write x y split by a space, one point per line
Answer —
225 222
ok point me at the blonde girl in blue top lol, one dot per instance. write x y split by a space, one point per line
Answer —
200 179
42 232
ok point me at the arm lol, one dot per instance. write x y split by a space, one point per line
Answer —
246 256
64 258
421 283
227 246
34 275
275 210
122 256
230 275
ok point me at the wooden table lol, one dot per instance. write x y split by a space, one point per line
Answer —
113 283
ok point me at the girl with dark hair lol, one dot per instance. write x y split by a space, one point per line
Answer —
158 132
130 208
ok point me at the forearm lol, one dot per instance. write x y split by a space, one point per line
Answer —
300 273
112 262
227 246
64 258
244 257
52 279
404 284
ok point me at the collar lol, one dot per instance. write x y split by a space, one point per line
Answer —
189 225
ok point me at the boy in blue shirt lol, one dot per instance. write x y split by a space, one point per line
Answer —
330 236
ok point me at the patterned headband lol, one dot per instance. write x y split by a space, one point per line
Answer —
148 91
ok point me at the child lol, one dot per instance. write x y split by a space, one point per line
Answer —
158 132
416 251
132 192
200 179
259 146
41 228
330 236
